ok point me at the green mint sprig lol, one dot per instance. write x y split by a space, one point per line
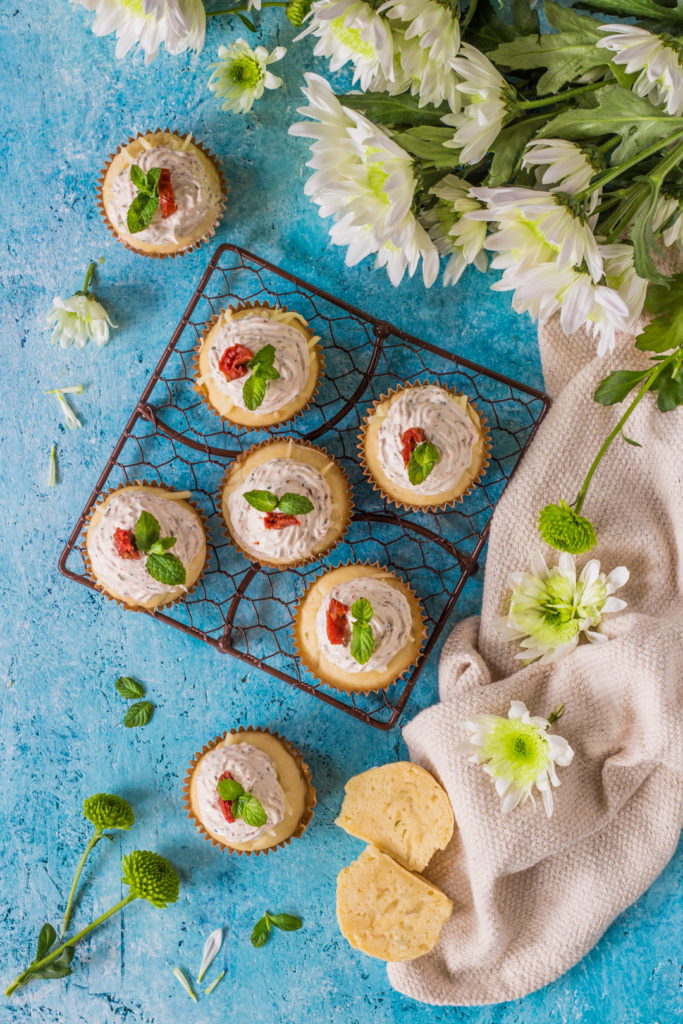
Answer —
362 640
144 206
289 504
263 370
243 805
128 688
264 926
162 566
138 714
425 456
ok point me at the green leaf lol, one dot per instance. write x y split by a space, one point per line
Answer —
147 531
485 29
141 211
295 504
138 177
262 501
565 55
264 357
138 715
629 440
153 175
362 642
166 569
261 931
643 238
638 8
250 809
57 968
285 922
666 330
162 545
508 149
669 389
564 19
254 390
45 939
129 689
427 144
524 17
229 789
247 22
362 610
422 462
617 386
394 110
268 373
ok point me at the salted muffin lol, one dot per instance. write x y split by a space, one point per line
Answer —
258 365
249 791
162 194
145 545
359 627
423 446
285 502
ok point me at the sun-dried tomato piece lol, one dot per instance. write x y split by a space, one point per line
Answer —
337 623
412 437
166 194
279 520
124 542
226 805
233 363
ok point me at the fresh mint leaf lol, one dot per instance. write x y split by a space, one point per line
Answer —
229 789
166 569
361 610
153 176
129 689
141 211
45 940
138 715
422 462
261 931
162 545
615 387
362 642
295 504
250 809
254 390
147 531
262 501
138 177
264 357
285 922
268 373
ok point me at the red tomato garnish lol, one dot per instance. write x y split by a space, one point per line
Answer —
226 805
234 361
166 195
410 440
337 623
279 520
124 542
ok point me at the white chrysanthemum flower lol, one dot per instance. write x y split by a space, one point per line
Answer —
352 31
455 235
427 77
661 72
486 93
396 259
80 318
668 206
433 25
620 274
178 24
567 167
518 753
241 75
550 608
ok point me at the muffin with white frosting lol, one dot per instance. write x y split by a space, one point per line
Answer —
145 545
359 627
285 503
424 446
249 791
258 365
162 194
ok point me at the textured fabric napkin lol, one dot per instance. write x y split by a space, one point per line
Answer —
531 895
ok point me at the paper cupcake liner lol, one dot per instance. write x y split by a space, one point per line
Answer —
410 506
219 211
91 572
202 390
318 556
302 653
305 819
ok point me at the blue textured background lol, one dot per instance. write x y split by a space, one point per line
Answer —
68 105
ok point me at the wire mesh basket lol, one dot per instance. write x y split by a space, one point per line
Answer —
173 437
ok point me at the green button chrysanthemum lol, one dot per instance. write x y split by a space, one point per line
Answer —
106 810
565 530
150 877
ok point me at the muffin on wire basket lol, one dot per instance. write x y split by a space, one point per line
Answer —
258 365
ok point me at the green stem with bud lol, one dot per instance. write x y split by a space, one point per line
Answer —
88 279
94 840
556 714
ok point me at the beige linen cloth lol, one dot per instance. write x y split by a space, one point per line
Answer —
532 896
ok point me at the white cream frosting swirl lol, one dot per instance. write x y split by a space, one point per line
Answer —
193 192
292 359
445 423
128 576
391 623
255 771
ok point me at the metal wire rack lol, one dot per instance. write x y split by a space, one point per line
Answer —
173 437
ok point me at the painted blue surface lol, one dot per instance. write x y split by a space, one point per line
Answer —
68 104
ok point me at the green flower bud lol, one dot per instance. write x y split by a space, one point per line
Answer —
297 10
565 530
150 877
106 810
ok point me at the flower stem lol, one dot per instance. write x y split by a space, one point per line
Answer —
556 714
94 840
88 277
614 172
243 8
22 978
545 101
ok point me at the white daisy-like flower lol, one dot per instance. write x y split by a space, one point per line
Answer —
427 77
80 318
518 753
669 212
397 259
551 608
433 25
352 31
620 274
486 97
179 24
455 235
241 75
661 72
567 167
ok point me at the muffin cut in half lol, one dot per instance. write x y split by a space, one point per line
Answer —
258 365
359 627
